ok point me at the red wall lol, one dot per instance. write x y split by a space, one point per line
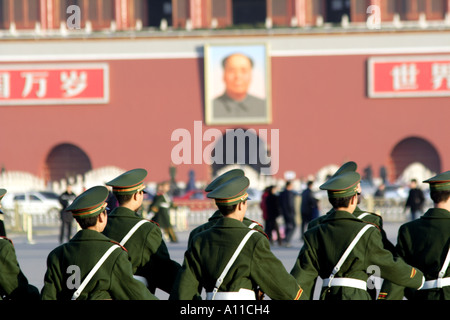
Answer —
319 105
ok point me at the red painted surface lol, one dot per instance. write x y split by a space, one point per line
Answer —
319 104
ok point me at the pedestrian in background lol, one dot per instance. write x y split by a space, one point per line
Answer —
415 200
287 197
308 208
273 212
66 199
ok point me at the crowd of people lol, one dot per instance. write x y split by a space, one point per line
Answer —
119 255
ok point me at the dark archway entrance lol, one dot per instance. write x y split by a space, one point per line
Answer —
241 146
64 161
410 150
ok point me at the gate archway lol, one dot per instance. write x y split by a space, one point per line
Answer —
410 150
240 146
64 161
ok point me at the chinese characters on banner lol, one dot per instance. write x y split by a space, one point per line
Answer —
30 84
424 76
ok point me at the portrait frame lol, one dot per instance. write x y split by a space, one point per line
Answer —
258 102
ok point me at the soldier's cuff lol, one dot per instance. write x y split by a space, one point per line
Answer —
423 281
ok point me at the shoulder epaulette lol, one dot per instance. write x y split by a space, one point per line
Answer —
374 224
262 232
259 224
374 213
115 242
3 237
154 222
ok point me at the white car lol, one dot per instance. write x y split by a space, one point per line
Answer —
32 202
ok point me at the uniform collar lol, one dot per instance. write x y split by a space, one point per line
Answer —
217 215
340 214
89 235
123 212
436 213
229 223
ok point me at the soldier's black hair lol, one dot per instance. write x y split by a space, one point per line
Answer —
439 196
226 210
123 198
340 202
86 222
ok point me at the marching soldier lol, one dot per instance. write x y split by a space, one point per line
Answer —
142 238
366 216
342 249
217 214
13 283
230 260
160 207
424 244
91 266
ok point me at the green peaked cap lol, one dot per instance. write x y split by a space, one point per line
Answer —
2 193
440 182
343 185
129 182
231 192
224 178
90 203
349 166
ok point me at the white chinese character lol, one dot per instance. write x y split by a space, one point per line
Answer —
404 77
4 85
74 83
440 71
31 78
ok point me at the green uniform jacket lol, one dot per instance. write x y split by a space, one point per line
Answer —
113 280
147 250
325 244
13 283
255 266
160 206
212 221
369 217
423 243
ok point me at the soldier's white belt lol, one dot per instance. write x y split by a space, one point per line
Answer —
141 279
242 294
345 282
438 283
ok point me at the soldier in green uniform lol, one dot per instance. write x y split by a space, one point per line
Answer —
13 283
91 266
230 260
142 238
160 207
2 224
424 243
342 249
366 216
217 214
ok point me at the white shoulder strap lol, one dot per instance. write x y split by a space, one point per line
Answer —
132 231
347 252
252 225
361 216
445 266
230 263
93 271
